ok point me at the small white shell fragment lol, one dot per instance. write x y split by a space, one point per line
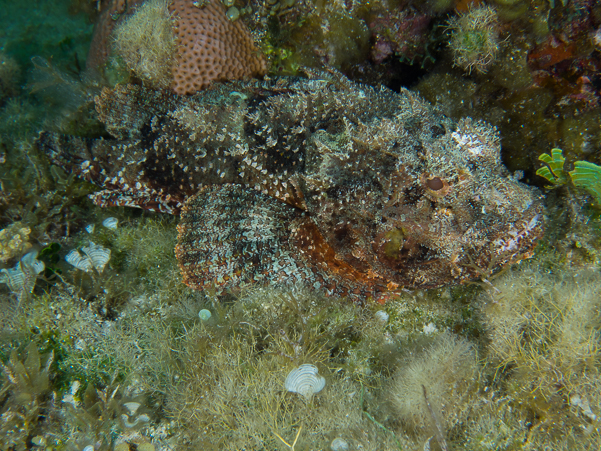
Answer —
81 262
88 448
305 380
430 328
204 314
382 316
339 444
38 440
90 228
98 255
576 401
139 419
69 397
132 407
110 223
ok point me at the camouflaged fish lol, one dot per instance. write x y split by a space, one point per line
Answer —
347 188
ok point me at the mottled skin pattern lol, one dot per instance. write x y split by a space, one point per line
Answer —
356 190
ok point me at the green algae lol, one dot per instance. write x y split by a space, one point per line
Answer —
585 175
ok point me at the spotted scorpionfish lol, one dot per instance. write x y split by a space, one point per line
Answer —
350 189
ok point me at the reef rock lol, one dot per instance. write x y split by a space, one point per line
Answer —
352 189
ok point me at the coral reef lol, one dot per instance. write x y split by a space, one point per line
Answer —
153 373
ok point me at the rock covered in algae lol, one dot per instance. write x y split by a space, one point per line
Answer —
353 189
14 240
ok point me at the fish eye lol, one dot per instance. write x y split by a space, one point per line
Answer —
435 183
436 187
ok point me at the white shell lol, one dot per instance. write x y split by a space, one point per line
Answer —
30 263
90 228
339 444
98 255
14 278
382 316
305 380
110 223
95 256
204 314
21 278
79 261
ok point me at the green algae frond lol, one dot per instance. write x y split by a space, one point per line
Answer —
586 175
553 172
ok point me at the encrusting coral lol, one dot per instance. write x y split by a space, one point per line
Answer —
178 43
211 47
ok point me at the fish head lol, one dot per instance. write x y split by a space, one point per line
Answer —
439 211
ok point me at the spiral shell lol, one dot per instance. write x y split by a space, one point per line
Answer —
305 380
339 444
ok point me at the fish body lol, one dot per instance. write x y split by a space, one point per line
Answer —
351 189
